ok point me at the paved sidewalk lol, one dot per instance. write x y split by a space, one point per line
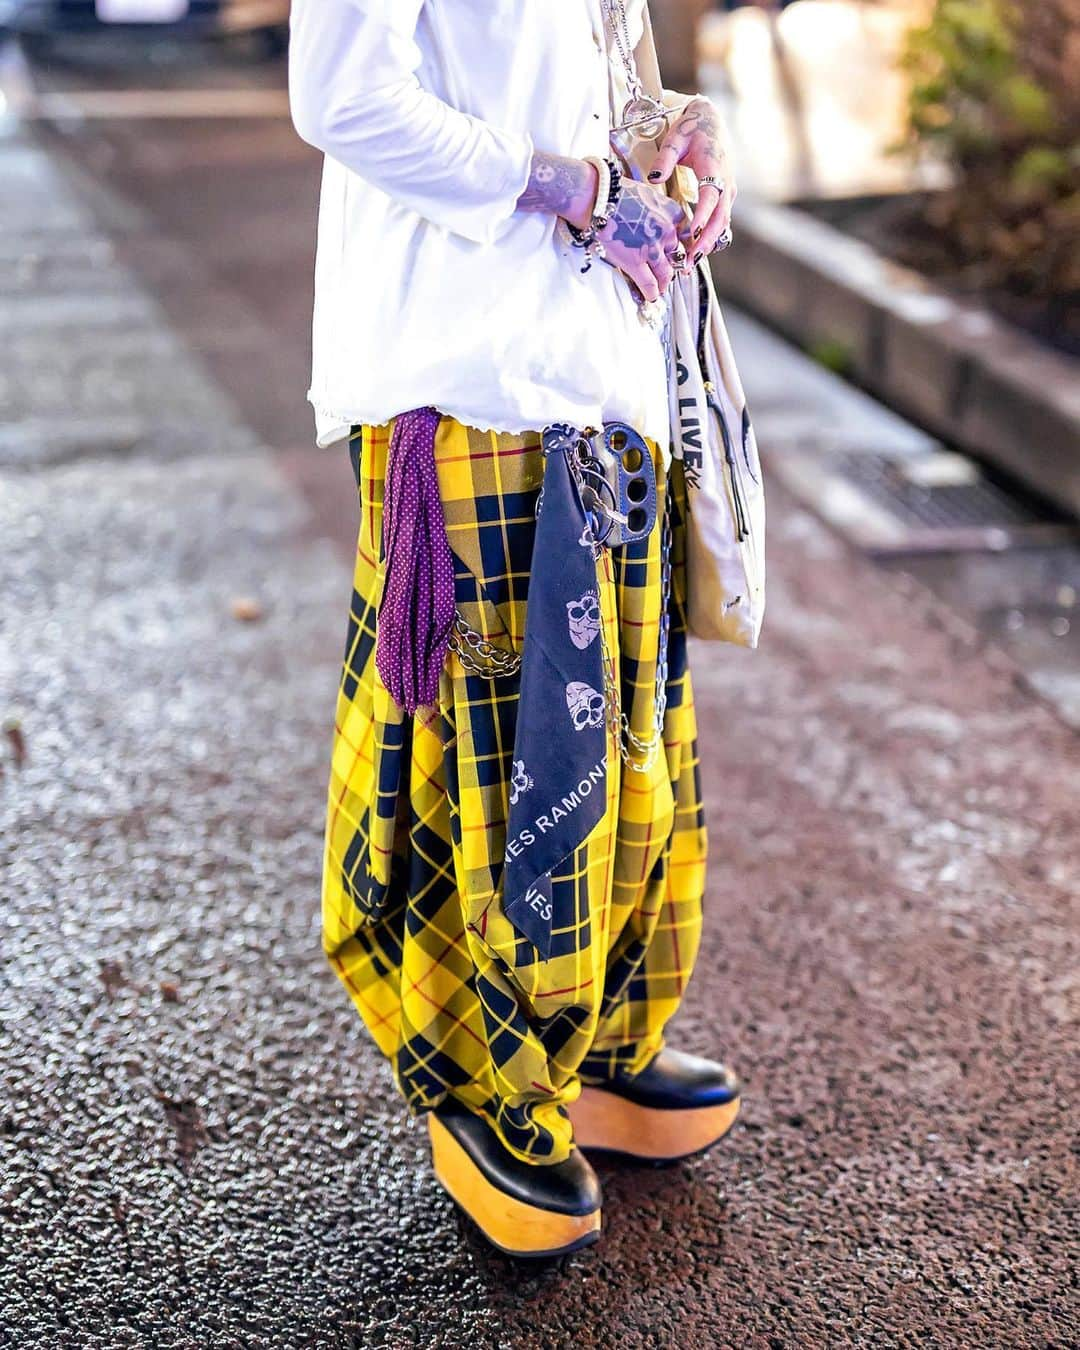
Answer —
198 1145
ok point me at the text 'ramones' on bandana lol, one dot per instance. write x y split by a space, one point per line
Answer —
558 787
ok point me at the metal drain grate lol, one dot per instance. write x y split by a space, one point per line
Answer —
934 502
938 491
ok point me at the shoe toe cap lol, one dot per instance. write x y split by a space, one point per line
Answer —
567 1187
683 1082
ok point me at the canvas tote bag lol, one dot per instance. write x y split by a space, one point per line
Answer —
711 431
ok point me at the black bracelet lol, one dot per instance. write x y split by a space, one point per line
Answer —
587 240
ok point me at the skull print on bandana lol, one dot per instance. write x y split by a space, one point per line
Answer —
520 781
585 704
583 617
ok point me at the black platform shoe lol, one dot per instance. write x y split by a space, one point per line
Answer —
677 1105
524 1209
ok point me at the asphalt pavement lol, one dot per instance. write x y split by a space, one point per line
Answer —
199 1147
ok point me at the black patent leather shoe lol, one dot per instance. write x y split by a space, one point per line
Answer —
677 1105
524 1209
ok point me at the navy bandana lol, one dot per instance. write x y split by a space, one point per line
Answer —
558 787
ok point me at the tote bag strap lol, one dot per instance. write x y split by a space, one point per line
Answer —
682 186
648 63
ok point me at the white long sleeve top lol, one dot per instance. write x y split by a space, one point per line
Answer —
431 288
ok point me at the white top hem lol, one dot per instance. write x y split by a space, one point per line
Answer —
332 427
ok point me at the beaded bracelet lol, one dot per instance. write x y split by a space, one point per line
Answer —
608 195
614 191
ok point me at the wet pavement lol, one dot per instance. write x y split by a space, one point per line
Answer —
199 1147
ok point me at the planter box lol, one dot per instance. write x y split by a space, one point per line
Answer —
948 364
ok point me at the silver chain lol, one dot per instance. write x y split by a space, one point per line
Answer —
648 747
618 22
479 655
643 116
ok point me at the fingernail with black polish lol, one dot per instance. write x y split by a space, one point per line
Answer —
654 175
697 257
697 233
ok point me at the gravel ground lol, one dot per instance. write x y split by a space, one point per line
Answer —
198 1145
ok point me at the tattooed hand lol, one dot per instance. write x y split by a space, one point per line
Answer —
641 235
697 139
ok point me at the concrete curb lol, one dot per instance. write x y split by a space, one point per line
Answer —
953 367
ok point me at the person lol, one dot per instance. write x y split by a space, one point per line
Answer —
488 277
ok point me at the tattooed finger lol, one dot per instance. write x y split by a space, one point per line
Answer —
662 269
646 283
716 229
707 202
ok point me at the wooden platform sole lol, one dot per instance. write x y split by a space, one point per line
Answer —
511 1225
603 1120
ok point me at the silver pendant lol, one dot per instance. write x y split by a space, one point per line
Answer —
646 117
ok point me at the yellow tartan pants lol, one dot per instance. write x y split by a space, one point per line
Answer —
459 1003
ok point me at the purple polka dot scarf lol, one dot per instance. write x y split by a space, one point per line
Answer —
416 612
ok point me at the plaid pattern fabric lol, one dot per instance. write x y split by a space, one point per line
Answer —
412 922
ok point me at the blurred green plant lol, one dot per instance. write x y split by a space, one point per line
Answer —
833 354
995 92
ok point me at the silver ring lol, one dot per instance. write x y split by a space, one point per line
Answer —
710 180
723 241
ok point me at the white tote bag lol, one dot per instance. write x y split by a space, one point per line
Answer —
712 434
